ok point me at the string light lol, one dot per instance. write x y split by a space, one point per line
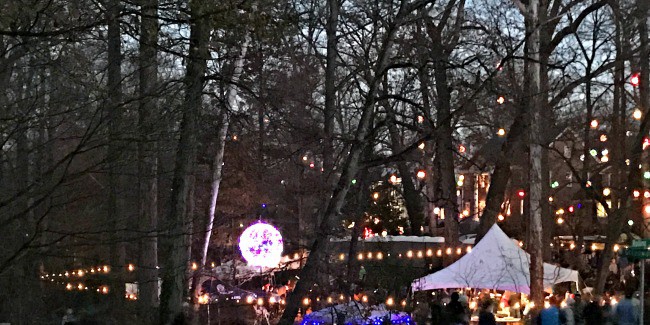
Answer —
421 146
501 132
593 124
203 299
500 217
393 179
637 114
421 174
501 100
635 79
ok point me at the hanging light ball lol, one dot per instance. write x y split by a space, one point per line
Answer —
261 245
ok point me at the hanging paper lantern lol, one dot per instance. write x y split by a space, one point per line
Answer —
261 245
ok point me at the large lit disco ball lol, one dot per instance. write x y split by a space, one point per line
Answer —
261 245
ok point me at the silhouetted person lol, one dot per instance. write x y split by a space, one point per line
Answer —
69 318
486 316
456 313
437 313
593 314
550 315
578 309
626 312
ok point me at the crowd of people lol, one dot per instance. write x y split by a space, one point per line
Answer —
598 310
566 310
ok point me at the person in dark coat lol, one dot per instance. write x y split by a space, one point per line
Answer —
437 313
593 313
578 309
486 316
456 314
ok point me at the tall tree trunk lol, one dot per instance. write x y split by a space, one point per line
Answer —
217 163
429 152
620 213
114 212
147 271
25 267
359 207
535 243
501 173
176 253
330 91
410 192
444 159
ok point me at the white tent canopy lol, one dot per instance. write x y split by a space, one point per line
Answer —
496 262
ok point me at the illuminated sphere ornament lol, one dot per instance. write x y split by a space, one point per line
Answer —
261 245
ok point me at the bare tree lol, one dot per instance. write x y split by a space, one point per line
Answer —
330 217
114 212
217 163
176 225
531 12
147 161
